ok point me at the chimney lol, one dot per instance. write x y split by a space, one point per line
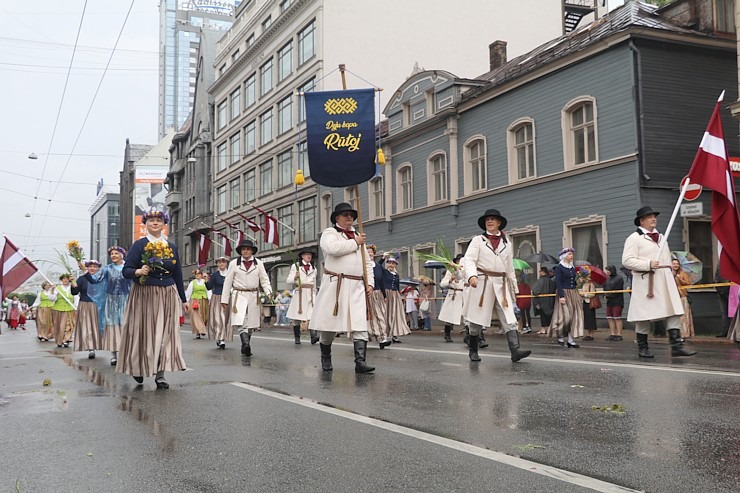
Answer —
497 54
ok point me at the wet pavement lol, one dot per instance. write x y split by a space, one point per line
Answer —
563 420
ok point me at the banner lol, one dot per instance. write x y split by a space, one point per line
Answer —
341 136
149 192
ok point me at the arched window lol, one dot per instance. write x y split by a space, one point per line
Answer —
580 135
521 144
376 197
327 207
474 174
437 178
404 188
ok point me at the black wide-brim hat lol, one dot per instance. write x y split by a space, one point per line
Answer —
306 250
340 208
492 213
246 244
644 211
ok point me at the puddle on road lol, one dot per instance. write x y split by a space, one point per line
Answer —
524 384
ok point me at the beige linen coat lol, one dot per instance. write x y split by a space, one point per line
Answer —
452 308
639 250
308 293
342 256
245 306
480 255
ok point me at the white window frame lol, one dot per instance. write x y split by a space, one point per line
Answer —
432 178
399 187
350 195
376 197
577 222
569 157
285 61
468 164
513 150
327 207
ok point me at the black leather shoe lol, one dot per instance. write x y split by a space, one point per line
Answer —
560 343
139 379
573 345
162 383
222 344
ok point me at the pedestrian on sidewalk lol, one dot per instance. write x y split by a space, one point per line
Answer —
567 317
341 305
62 315
302 277
452 307
150 336
489 266
377 326
614 303
44 301
282 302
198 297
394 309
723 296
654 292
682 279
245 276
544 304
87 324
589 311
411 295
25 313
218 325
426 303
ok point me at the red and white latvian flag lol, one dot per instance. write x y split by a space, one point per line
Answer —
270 228
227 246
711 169
16 268
204 248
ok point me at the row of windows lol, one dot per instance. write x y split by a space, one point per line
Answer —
263 179
580 144
263 80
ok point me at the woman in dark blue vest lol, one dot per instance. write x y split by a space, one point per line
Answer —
219 327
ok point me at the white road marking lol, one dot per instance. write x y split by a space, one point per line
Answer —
483 354
523 464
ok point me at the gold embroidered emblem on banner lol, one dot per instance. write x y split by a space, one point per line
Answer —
340 106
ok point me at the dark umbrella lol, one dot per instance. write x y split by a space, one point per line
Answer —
542 258
434 264
412 282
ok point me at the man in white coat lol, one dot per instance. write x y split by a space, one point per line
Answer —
243 279
654 291
452 308
341 305
303 276
489 266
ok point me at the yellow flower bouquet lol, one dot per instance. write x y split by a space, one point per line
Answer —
75 250
155 253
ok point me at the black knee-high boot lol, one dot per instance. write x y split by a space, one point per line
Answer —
314 336
326 357
642 346
448 330
512 337
677 348
297 333
246 348
360 365
473 348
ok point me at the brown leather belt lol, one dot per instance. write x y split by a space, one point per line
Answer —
487 274
339 286
454 292
243 290
300 296
651 275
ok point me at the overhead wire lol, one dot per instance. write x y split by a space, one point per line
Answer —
59 112
89 110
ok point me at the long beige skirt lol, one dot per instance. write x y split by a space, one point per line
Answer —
378 326
150 336
64 325
44 326
219 326
568 318
111 338
396 315
199 317
687 319
87 327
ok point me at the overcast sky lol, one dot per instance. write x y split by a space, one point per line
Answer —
45 202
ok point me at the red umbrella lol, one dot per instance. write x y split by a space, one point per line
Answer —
598 276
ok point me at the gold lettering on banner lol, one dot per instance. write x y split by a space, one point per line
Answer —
334 126
335 142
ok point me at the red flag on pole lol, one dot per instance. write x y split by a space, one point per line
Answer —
250 224
227 247
711 169
16 268
270 228
204 248
239 239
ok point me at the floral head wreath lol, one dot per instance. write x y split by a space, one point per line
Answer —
66 276
155 213
118 249
564 251
90 262
372 247
392 257
197 271
584 272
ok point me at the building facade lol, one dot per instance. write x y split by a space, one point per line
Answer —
127 183
567 141
180 23
105 223
278 49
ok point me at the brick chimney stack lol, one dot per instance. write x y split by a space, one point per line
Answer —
497 54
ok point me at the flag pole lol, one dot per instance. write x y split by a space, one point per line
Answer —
53 285
368 313
673 216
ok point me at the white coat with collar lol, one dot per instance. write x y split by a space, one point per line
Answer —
452 308
480 255
308 293
245 306
342 255
639 250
